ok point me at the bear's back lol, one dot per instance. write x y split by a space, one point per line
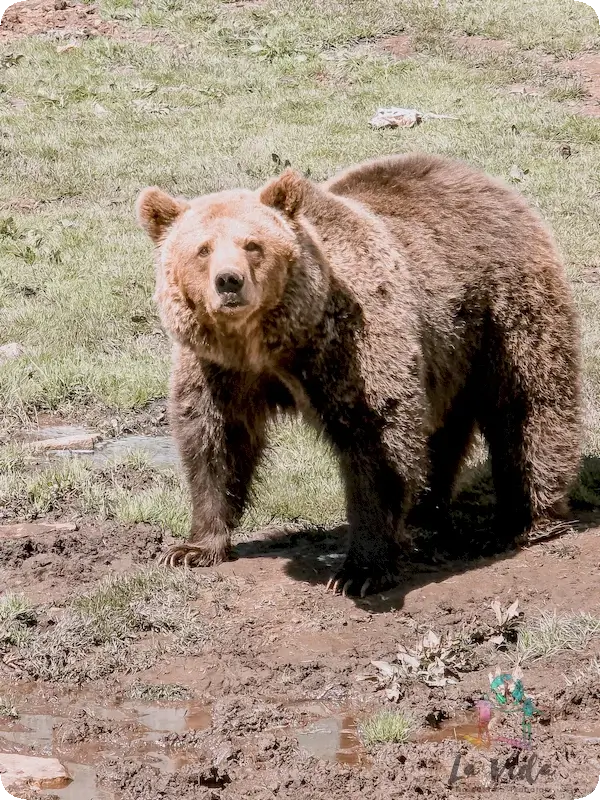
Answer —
438 209
431 189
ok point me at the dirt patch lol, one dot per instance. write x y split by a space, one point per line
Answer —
64 19
587 67
277 687
398 46
40 16
49 565
270 702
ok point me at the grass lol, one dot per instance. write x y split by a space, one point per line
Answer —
16 619
298 482
76 279
552 633
123 625
387 727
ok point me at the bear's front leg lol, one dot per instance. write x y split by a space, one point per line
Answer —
375 497
220 446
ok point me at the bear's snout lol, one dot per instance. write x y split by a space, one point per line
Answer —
229 285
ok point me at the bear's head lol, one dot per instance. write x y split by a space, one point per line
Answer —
223 259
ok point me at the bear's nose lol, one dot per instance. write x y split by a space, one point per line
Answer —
229 282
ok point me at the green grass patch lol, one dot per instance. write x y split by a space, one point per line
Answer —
298 482
94 125
84 131
393 727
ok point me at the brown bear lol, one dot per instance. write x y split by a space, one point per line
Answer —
398 306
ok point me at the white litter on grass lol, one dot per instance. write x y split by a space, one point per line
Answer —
402 117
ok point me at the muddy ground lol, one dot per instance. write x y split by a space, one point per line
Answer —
270 703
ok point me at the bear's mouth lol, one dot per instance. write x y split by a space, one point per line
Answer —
232 300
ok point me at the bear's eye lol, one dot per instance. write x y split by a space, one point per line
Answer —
204 250
252 247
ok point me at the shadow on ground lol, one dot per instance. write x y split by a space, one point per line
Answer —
313 553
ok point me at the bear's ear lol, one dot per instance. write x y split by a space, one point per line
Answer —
285 193
156 211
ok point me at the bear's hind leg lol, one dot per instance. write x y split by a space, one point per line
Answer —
529 409
505 434
447 448
534 452
375 497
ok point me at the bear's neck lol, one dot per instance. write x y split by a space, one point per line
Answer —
294 321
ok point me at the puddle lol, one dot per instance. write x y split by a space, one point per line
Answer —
463 729
589 737
32 734
82 787
169 719
34 731
160 450
333 739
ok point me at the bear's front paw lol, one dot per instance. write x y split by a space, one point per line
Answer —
362 580
191 555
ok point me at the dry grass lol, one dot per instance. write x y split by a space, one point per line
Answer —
158 692
552 633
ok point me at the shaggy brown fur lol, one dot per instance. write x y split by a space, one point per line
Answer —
398 306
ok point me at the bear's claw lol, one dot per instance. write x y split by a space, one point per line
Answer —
367 582
189 556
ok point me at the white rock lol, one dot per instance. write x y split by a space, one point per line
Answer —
76 442
21 530
28 771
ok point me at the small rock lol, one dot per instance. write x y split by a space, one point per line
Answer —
28 771
65 48
75 442
565 150
60 5
10 351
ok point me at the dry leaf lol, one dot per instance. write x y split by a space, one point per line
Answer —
431 640
386 669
